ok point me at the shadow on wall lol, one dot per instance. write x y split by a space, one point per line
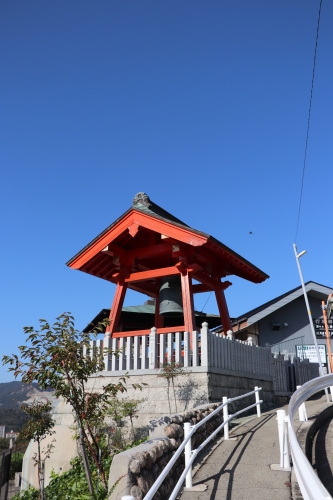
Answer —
141 433
189 393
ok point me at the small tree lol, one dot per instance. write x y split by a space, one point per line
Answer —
54 356
129 409
118 410
114 410
170 371
39 426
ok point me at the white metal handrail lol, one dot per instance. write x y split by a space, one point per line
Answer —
309 483
186 444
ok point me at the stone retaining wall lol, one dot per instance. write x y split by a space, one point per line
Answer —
194 389
134 471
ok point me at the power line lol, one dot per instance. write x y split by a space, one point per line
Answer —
206 302
309 116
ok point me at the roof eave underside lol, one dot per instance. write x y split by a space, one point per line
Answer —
261 276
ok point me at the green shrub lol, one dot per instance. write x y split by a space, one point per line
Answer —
15 464
30 494
70 485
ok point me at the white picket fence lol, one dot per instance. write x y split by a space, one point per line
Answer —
203 349
199 349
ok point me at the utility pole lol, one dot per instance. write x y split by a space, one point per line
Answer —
328 339
321 370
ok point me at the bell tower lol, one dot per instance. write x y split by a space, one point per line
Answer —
151 251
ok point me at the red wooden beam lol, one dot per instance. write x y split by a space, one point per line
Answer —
211 282
113 250
145 288
137 333
200 288
208 257
188 306
223 310
153 273
117 305
151 251
159 320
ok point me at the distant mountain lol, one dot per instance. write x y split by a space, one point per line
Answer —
13 420
13 394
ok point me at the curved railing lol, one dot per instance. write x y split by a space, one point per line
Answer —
186 444
309 483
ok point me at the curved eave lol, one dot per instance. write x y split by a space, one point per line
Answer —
235 264
238 265
130 217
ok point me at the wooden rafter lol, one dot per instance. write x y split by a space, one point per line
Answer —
144 220
210 282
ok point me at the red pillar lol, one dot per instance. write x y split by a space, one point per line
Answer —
158 323
187 296
117 305
223 310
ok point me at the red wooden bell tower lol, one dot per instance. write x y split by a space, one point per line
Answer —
147 244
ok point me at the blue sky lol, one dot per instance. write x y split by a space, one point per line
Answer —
201 104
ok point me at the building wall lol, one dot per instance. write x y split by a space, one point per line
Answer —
295 315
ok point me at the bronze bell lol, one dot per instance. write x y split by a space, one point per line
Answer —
171 303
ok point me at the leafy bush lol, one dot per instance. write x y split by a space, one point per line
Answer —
30 494
70 485
15 464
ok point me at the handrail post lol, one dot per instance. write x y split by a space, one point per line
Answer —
153 349
205 345
286 459
302 416
225 417
257 401
106 347
280 416
188 452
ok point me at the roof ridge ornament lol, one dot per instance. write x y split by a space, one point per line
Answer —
141 199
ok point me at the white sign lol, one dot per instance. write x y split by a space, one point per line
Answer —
310 352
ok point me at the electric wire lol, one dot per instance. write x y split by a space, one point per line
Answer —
309 117
206 302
